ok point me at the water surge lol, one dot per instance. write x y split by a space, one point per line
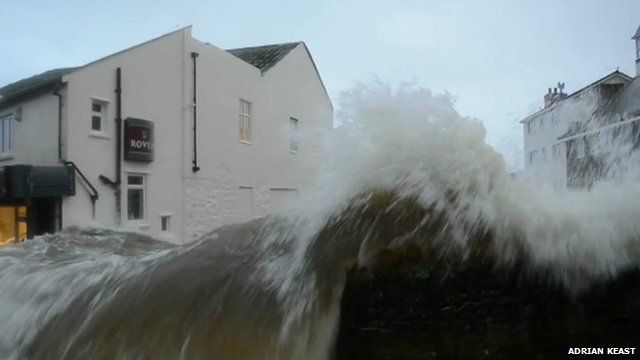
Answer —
409 181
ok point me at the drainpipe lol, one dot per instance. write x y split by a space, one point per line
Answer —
59 204
118 181
93 193
56 93
195 167
119 126
115 184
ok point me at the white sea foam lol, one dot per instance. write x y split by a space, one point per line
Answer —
405 169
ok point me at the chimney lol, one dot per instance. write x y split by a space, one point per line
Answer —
551 98
547 99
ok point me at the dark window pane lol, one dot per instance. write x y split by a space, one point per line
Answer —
165 223
134 180
135 202
96 123
96 107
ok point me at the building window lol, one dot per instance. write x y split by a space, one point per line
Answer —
244 118
135 197
544 154
531 126
293 128
533 156
638 48
5 129
580 148
165 222
556 150
98 115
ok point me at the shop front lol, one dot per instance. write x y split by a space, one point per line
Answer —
31 200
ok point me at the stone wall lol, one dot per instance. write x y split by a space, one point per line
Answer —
213 202
473 313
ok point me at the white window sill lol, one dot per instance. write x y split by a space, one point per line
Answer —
99 135
245 142
6 156
101 99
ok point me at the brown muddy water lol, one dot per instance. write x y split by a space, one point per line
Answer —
410 184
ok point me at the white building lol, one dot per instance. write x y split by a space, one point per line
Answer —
544 152
545 131
173 137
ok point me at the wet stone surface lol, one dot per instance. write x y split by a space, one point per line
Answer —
472 313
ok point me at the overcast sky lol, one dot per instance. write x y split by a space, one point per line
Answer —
497 57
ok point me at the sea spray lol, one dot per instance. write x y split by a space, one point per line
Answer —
409 180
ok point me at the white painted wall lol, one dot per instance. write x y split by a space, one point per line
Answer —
151 89
548 126
553 122
35 136
291 88
237 181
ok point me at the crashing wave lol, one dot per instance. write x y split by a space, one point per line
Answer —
410 181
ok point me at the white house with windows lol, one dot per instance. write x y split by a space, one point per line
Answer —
173 137
544 151
546 131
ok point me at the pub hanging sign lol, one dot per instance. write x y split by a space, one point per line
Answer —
138 140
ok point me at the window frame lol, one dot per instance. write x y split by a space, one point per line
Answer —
165 223
556 150
8 120
102 114
581 149
531 128
294 124
245 121
142 187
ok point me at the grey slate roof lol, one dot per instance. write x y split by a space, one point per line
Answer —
263 57
32 85
578 92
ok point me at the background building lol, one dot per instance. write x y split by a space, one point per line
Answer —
173 137
602 146
550 148
545 153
